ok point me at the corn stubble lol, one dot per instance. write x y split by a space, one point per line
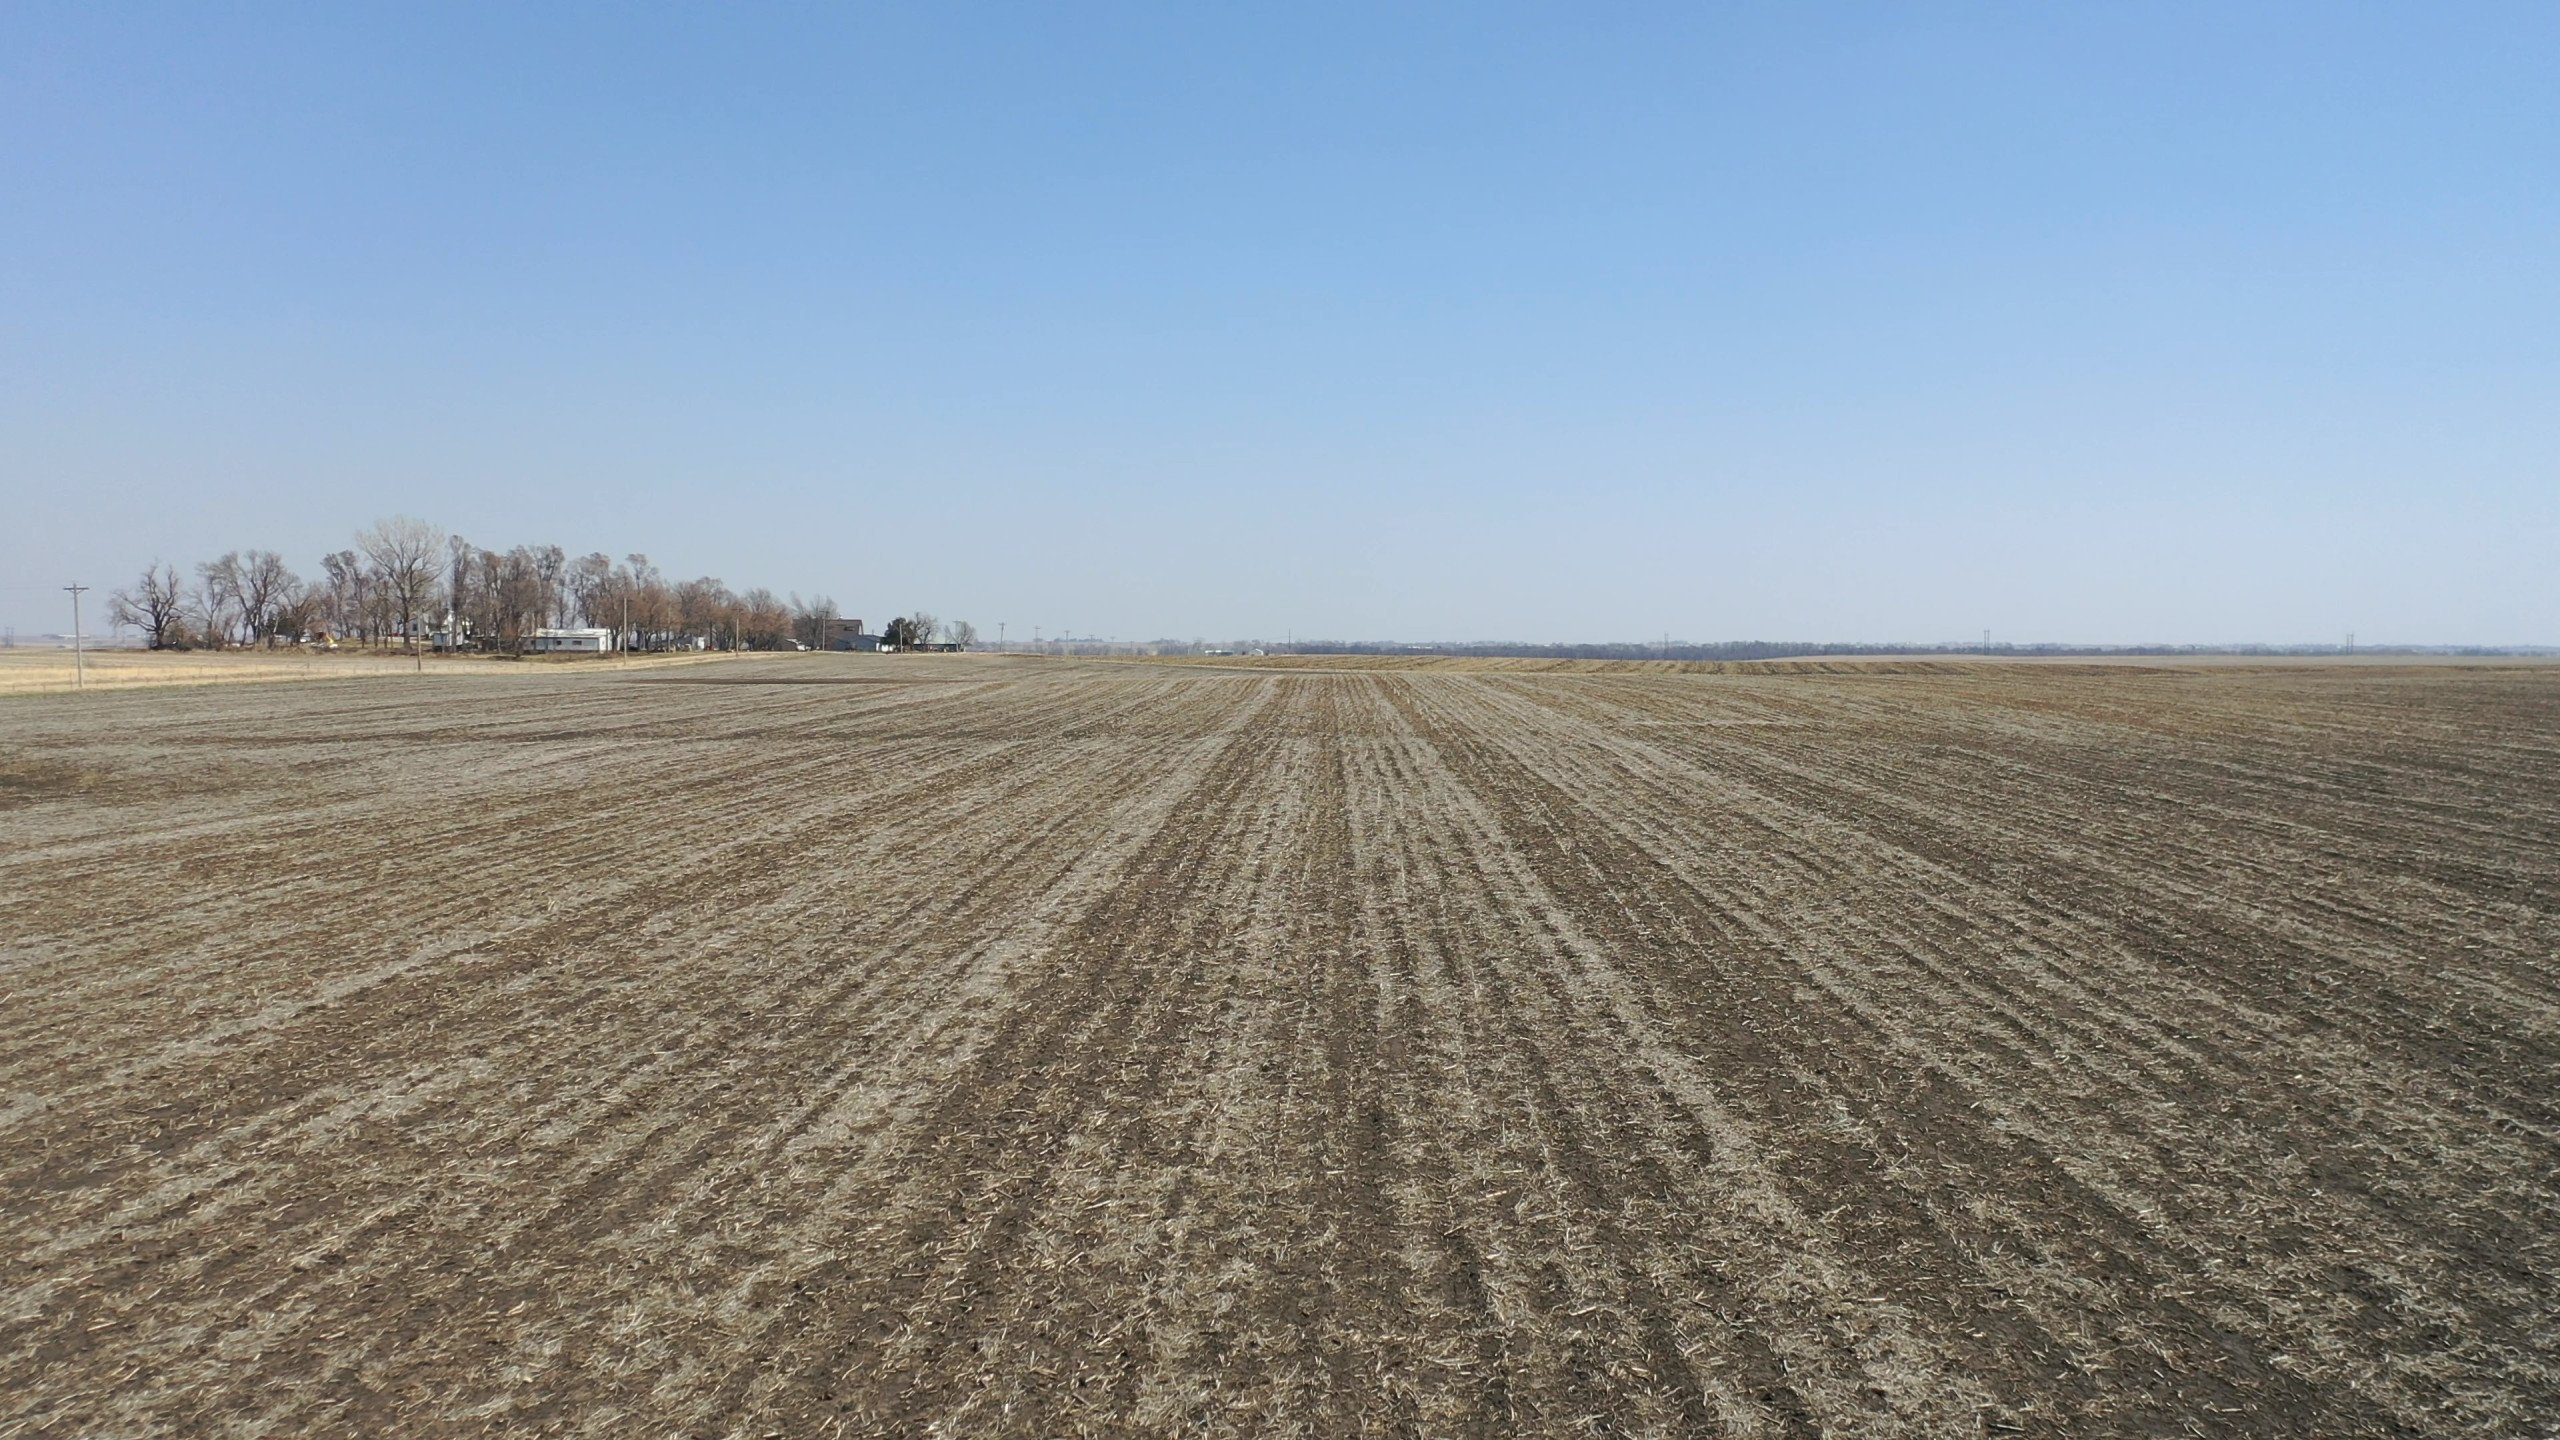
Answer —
998 1047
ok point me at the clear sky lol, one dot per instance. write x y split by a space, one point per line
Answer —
2200 322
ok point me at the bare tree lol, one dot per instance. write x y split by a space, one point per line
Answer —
265 587
402 555
522 595
590 585
704 608
296 614
460 557
487 617
217 599
764 619
155 605
551 568
344 579
812 619
961 633
464 586
653 603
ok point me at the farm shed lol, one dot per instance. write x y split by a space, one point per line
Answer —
571 642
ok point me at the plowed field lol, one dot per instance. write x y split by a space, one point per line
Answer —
909 1045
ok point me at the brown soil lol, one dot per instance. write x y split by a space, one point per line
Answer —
1074 1048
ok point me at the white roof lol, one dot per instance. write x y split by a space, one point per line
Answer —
566 634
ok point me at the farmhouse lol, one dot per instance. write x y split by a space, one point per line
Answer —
849 635
570 642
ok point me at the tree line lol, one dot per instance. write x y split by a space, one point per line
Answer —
403 578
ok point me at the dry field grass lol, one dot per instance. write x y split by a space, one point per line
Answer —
1000 1047
30 670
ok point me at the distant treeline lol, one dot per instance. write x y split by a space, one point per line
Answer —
404 580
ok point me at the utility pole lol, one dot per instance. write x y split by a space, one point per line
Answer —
622 642
79 662
1000 637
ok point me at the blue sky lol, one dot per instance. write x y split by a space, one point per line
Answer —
2100 323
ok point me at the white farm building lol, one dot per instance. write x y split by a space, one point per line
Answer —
572 642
